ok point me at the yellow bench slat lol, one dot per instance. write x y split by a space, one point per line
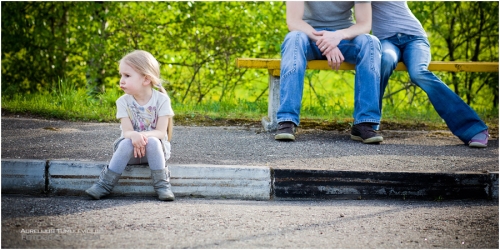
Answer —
273 65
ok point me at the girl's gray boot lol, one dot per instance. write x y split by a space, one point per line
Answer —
106 183
161 184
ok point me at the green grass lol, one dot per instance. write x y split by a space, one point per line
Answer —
241 109
77 106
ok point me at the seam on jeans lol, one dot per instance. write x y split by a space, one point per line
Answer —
372 56
287 120
294 65
367 120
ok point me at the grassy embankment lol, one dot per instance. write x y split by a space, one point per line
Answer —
330 110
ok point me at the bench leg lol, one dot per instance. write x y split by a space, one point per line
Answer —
270 122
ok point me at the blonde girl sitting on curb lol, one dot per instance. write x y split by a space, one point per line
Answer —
146 116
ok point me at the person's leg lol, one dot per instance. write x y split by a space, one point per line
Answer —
159 172
123 155
390 58
111 174
460 118
154 154
364 52
296 50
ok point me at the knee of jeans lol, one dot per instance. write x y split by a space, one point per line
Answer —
418 74
375 40
293 52
389 60
295 36
369 39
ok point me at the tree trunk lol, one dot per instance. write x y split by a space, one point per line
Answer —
97 48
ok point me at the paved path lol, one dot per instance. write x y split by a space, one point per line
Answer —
144 222
422 151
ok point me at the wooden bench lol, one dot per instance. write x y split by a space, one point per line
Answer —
273 66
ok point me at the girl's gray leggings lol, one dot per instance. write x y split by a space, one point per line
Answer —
124 155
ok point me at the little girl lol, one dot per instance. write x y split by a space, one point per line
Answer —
146 124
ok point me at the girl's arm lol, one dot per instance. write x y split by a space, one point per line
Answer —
161 128
159 132
139 140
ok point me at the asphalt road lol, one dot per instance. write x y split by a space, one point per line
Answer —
29 138
133 222
144 222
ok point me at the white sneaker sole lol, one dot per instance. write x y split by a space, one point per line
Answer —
284 137
375 139
477 145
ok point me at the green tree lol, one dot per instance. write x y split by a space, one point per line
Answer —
97 47
34 49
197 44
463 31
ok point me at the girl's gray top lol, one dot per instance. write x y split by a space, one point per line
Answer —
391 18
335 15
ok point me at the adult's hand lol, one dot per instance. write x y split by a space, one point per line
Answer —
335 58
328 40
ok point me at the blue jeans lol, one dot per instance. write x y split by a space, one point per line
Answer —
363 51
414 52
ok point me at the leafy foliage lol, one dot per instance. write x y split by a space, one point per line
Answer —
458 31
197 44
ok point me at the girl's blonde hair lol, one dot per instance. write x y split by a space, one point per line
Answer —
145 63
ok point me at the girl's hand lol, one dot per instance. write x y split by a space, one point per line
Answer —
139 142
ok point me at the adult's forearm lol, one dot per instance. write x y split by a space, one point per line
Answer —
354 31
300 25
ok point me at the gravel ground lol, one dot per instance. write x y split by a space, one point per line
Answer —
131 222
30 138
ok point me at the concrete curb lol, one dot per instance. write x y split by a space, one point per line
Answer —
73 177
23 176
248 182
369 185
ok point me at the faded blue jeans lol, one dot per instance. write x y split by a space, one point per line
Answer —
363 51
414 52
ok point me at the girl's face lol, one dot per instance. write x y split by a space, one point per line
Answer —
131 81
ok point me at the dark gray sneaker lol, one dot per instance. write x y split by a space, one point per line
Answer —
286 131
364 132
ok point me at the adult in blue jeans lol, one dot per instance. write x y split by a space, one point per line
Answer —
404 39
326 31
